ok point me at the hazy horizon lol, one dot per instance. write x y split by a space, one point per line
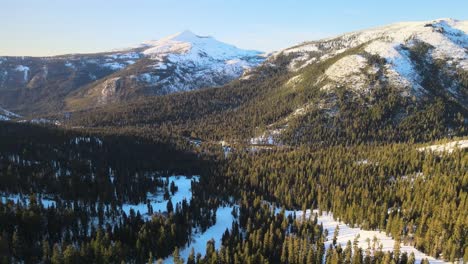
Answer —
49 27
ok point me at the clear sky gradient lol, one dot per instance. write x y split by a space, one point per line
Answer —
50 27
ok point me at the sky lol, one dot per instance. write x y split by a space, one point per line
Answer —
52 27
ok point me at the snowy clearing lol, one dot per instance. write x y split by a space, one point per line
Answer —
447 147
16 198
347 233
184 192
224 220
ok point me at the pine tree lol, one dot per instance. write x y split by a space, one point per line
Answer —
46 254
404 258
348 253
70 255
17 244
396 250
57 256
170 207
176 257
150 258
191 257
335 234
412 258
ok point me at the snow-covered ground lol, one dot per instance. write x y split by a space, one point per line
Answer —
78 140
224 220
17 198
184 191
269 137
6 115
25 70
348 70
157 201
447 147
347 233
447 38
42 121
193 45
198 60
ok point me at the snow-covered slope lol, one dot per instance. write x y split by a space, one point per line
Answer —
447 36
427 59
6 115
198 60
180 62
367 239
446 40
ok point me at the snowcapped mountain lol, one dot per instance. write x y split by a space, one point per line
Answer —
180 62
444 40
421 62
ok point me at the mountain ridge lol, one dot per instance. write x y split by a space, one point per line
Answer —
58 83
299 93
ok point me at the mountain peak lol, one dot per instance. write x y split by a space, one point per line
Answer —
187 42
185 36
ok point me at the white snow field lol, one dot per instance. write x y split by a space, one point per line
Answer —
184 191
198 59
347 233
16 198
448 37
447 147
224 220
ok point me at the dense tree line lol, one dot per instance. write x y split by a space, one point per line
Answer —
346 161
418 197
77 234
89 166
340 115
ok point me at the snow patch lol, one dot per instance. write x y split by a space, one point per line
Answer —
25 70
348 70
447 147
16 198
347 233
113 65
269 137
184 192
224 220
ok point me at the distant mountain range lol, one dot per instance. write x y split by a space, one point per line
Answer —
181 62
395 82
402 81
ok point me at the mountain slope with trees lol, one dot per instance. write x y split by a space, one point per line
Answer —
347 91
181 62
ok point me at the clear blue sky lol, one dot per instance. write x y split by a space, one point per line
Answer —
46 27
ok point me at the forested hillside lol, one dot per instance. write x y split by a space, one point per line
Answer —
351 149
